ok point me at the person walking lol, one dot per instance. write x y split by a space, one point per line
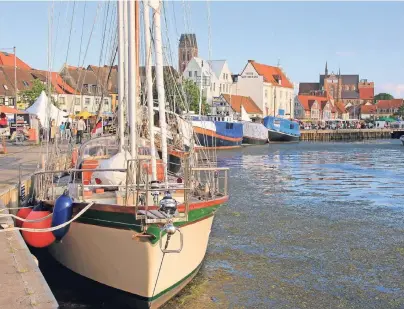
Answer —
62 131
68 131
81 126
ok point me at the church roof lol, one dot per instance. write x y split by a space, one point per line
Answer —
306 88
350 79
188 40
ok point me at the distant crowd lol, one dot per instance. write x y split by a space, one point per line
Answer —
338 125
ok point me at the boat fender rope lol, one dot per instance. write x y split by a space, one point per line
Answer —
50 229
25 220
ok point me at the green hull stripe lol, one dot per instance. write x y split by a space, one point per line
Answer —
128 221
174 285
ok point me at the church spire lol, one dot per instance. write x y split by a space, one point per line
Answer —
326 70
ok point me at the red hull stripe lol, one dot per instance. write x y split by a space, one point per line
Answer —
207 132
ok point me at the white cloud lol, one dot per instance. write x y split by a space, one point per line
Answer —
345 53
397 90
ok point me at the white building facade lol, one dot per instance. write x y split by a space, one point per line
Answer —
216 78
269 87
75 103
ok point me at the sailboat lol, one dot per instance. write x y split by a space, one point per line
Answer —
134 225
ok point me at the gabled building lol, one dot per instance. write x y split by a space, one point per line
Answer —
315 108
90 88
230 105
346 88
268 86
214 77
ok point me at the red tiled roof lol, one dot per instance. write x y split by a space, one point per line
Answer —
7 59
308 100
366 93
269 73
368 109
60 86
340 106
385 104
236 100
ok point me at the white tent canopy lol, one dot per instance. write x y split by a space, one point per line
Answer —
46 111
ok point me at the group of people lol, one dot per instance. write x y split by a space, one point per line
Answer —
67 130
334 125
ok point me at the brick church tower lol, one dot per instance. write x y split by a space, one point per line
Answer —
187 49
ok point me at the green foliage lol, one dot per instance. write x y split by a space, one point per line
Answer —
30 95
191 92
383 96
400 111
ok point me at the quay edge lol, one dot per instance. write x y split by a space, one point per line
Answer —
20 277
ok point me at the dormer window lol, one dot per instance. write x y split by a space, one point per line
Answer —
25 83
5 87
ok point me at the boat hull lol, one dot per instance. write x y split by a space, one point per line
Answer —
254 141
117 258
274 136
217 141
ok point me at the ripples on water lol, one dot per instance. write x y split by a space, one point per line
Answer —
308 225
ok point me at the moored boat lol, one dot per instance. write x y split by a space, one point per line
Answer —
254 133
134 224
281 130
217 132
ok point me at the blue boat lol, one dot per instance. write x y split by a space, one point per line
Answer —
282 130
212 133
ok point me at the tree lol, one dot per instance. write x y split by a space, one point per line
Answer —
383 96
191 92
400 111
30 95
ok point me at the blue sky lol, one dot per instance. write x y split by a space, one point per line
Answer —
358 37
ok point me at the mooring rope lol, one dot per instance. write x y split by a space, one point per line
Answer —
50 229
25 220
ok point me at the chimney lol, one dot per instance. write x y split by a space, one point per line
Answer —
251 60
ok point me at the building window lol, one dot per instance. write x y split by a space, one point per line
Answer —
195 73
77 101
95 88
106 101
224 76
97 101
189 74
87 101
183 56
1 101
25 83
62 100
220 87
214 87
266 93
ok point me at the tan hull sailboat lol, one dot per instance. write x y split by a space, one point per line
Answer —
128 231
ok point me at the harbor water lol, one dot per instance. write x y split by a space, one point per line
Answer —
308 225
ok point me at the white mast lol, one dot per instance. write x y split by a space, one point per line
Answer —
149 83
132 100
200 90
160 87
121 74
126 57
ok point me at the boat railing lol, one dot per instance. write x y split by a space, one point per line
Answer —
198 183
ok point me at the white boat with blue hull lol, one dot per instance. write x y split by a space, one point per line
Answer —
282 130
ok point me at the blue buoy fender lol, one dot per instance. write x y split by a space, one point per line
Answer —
62 212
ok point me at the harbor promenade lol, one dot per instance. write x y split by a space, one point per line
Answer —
21 281
345 134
